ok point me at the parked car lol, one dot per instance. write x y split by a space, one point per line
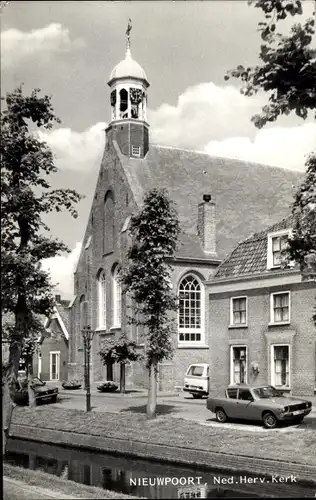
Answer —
196 380
259 403
42 393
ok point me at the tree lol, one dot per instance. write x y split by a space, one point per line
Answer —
26 196
302 243
288 75
288 70
122 351
146 278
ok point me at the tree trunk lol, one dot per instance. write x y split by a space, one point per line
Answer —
122 378
8 388
30 390
152 390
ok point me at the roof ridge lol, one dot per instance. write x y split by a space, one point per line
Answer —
234 158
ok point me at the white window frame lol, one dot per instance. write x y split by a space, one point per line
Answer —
136 150
102 300
51 365
200 330
272 320
271 236
238 325
272 371
116 299
231 370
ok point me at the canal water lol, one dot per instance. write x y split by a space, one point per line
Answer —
142 477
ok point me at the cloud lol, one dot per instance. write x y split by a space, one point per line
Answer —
17 46
61 269
277 146
204 112
217 120
76 150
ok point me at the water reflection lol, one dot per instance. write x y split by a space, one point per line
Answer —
137 477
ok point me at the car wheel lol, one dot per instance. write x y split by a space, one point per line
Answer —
269 420
197 396
221 415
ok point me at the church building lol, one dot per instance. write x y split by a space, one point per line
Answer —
220 202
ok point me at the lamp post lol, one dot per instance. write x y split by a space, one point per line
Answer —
87 335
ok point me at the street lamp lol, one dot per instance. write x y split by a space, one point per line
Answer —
87 335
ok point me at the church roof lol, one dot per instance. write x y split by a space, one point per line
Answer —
250 256
248 196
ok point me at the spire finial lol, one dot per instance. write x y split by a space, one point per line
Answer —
127 33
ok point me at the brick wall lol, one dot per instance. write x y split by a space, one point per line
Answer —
259 336
51 344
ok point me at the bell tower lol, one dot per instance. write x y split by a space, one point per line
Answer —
128 99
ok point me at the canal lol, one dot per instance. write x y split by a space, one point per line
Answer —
145 478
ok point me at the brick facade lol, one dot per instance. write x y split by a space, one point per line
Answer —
258 336
56 342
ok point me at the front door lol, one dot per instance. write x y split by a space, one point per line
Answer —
54 365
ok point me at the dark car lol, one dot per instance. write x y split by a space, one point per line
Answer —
42 393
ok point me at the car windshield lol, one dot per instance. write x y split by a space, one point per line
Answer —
266 392
37 381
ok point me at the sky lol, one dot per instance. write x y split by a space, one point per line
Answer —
68 49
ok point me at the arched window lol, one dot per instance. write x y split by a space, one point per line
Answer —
102 300
83 308
123 103
190 316
109 220
116 298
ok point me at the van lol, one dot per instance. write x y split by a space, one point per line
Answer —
196 380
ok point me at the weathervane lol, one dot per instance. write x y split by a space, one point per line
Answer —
127 33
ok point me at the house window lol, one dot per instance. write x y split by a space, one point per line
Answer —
102 300
116 298
136 151
280 369
280 307
238 365
277 243
190 319
238 311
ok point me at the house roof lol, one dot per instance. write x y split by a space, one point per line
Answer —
248 196
250 256
61 314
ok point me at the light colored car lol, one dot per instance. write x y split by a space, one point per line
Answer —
258 403
196 380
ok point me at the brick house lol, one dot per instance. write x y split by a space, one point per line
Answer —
246 197
260 317
51 360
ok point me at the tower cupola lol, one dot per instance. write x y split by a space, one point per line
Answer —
128 99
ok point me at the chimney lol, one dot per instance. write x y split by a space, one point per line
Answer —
207 224
58 299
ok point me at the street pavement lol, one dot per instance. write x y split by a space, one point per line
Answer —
177 405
